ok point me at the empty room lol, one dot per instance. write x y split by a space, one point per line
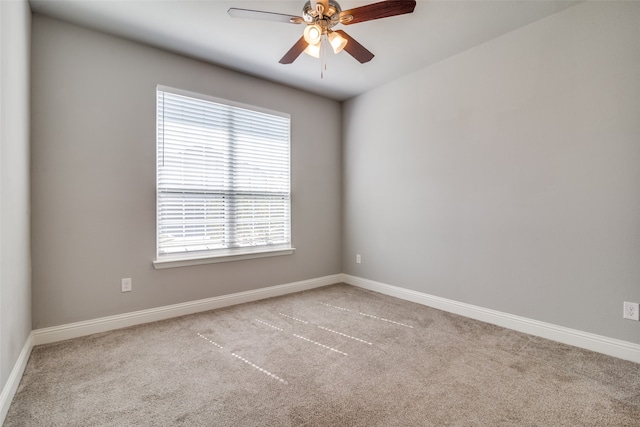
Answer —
319 213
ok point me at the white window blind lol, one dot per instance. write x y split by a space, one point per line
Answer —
222 177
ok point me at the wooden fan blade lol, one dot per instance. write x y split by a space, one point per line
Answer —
234 12
295 51
355 49
383 9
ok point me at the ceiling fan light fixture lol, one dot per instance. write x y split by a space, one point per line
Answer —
313 34
313 50
337 42
320 16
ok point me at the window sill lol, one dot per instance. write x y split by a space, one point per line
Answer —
212 259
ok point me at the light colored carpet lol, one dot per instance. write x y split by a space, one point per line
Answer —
334 356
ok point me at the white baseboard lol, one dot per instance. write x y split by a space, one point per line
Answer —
613 347
11 386
601 344
103 324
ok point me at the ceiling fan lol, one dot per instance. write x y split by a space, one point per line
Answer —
320 16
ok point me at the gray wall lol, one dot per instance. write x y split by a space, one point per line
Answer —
508 176
93 177
15 290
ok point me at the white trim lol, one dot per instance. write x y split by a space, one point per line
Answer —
103 324
11 386
601 344
238 256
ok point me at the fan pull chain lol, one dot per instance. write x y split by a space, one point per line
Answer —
323 55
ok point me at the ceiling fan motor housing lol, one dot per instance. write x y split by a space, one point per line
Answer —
326 19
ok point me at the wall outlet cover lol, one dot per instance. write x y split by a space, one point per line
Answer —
631 311
126 285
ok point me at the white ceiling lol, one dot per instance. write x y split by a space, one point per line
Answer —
402 44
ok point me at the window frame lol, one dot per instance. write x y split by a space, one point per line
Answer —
186 258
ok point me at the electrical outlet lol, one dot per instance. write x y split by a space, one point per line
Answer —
631 311
126 284
358 259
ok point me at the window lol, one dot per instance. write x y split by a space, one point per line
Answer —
222 180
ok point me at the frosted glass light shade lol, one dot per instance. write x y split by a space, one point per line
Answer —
313 50
337 42
312 34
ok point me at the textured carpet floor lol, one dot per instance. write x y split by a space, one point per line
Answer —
334 356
